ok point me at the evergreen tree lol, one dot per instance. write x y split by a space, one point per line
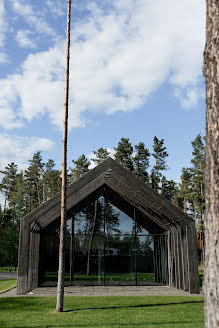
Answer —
197 177
21 201
160 154
141 162
100 155
124 153
81 167
51 180
185 188
8 183
168 188
33 180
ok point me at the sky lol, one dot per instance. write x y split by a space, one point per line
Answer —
135 72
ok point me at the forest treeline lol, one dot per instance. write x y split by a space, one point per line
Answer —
25 190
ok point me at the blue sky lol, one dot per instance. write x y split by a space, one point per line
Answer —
136 72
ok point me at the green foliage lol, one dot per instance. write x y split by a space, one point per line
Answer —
9 236
51 180
197 170
23 193
8 184
168 188
81 166
33 180
160 154
141 162
104 312
100 155
124 153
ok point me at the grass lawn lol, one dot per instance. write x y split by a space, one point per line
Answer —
7 269
103 312
7 284
122 277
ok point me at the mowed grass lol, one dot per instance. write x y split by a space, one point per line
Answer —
7 269
7 284
103 312
149 277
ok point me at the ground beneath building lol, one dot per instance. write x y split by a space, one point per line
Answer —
103 291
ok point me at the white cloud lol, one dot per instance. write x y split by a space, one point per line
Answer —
3 23
3 58
55 7
24 40
33 18
118 58
189 97
20 149
92 156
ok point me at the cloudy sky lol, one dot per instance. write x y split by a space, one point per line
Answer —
135 71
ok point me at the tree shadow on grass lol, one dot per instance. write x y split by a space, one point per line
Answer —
133 306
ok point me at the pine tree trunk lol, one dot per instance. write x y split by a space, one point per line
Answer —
211 72
91 239
184 204
61 272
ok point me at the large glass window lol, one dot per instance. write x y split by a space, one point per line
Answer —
104 246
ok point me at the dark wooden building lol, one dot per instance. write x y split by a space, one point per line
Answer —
119 231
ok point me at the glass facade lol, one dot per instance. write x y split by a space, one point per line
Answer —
104 246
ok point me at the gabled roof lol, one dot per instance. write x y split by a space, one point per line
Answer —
124 184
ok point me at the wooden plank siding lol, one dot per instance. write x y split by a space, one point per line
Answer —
178 250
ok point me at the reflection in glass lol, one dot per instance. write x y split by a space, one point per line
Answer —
104 246
144 259
90 219
89 260
119 260
117 222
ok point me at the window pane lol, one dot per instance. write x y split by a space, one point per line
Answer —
119 260
117 222
87 221
144 260
89 260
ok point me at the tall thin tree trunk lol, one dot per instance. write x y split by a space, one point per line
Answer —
61 272
211 72
184 204
91 239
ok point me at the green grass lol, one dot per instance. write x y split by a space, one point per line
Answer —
149 277
201 276
7 269
103 312
7 284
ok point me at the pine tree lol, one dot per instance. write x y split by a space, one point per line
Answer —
168 188
124 153
141 162
51 180
185 190
81 167
33 179
197 178
160 154
100 155
8 183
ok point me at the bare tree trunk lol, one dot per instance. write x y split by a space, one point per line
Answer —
184 204
44 192
211 72
61 272
195 216
91 239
